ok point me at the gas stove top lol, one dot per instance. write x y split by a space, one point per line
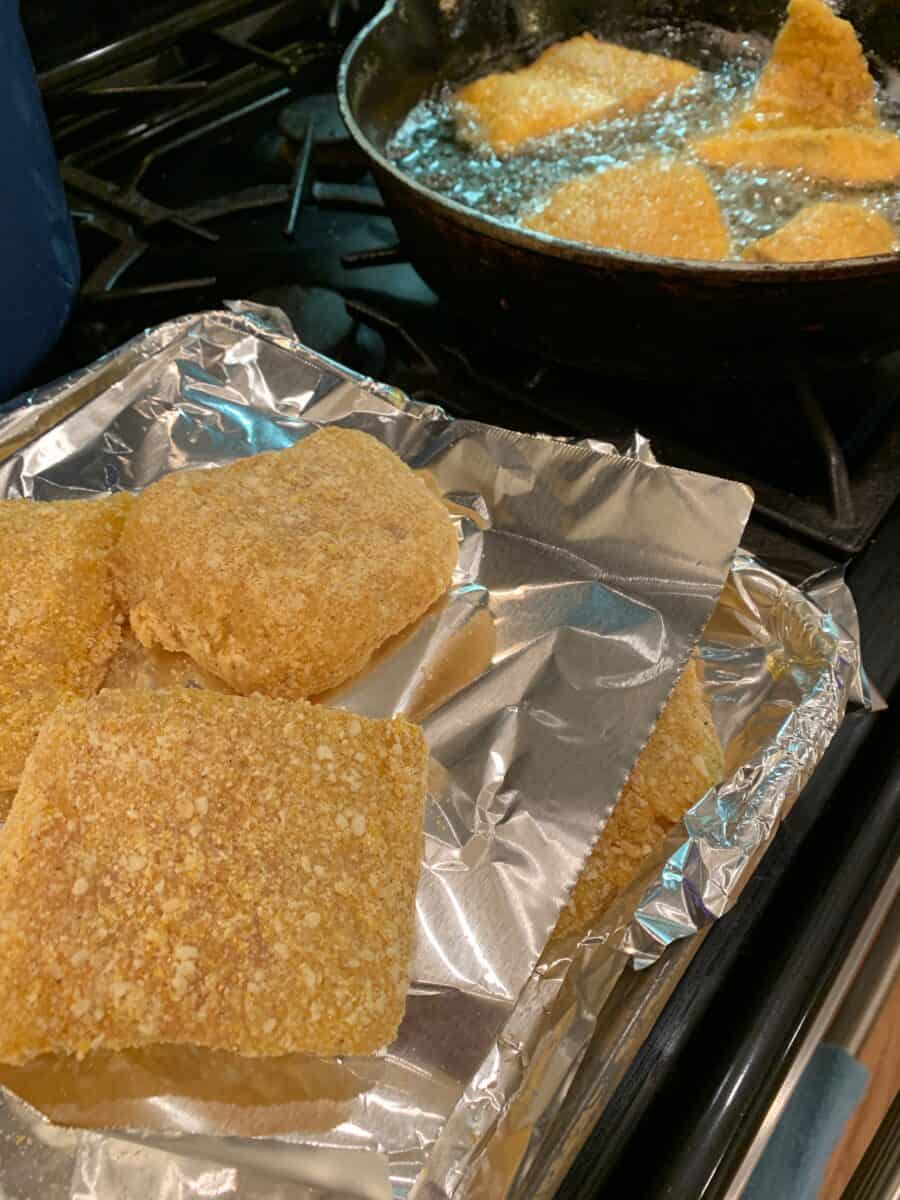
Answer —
205 159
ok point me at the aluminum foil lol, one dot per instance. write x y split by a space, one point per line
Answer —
778 671
585 581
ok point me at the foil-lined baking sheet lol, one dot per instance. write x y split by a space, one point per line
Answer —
585 580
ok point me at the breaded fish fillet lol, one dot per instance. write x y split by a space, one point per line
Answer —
816 76
649 207
237 873
59 621
680 762
284 572
853 157
825 231
571 83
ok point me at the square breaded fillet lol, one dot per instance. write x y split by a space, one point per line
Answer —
236 873
648 207
826 231
283 573
680 762
59 621
816 75
572 83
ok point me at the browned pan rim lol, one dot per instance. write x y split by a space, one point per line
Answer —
577 252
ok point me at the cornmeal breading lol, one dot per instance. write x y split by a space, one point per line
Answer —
825 231
571 83
853 157
816 75
284 572
237 873
59 621
680 762
649 207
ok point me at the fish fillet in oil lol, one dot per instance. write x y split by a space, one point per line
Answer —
231 872
572 83
648 207
816 76
814 109
60 623
284 572
680 762
826 231
852 157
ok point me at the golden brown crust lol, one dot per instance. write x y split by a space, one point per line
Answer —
680 762
571 83
813 109
238 873
284 572
59 620
853 157
825 231
648 207
816 75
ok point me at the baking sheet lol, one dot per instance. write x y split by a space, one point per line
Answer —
585 579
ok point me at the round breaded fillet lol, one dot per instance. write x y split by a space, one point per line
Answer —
282 573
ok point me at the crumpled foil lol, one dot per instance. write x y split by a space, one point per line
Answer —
537 681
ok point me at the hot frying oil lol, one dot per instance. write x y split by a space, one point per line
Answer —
754 203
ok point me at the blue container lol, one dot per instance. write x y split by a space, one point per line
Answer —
38 254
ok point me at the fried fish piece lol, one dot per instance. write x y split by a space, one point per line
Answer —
282 573
231 872
825 231
813 109
571 83
651 207
816 76
680 762
59 620
853 157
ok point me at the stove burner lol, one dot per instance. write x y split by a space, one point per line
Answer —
321 110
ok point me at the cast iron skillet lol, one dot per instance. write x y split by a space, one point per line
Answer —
602 308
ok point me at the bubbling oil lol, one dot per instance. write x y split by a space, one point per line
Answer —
754 203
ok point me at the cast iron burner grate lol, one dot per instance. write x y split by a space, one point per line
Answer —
205 159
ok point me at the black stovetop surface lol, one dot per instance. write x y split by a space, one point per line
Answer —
198 180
